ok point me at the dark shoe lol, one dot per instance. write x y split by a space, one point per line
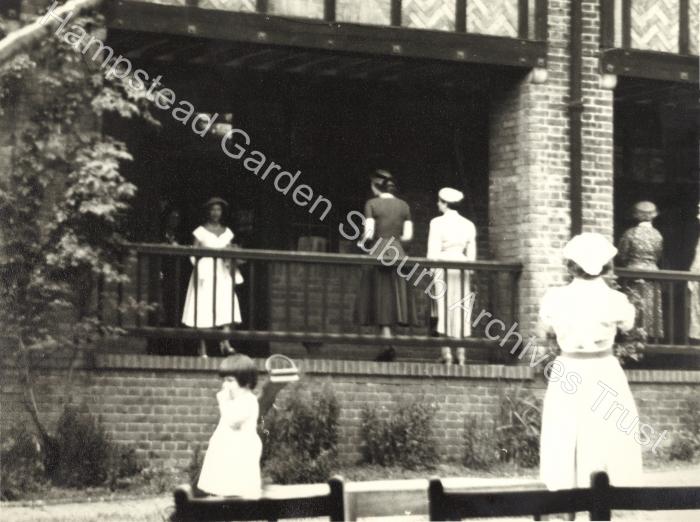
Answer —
387 355
226 348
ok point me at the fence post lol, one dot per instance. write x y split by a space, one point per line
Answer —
600 496
436 498
337 499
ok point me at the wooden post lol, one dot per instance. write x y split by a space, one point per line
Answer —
523 19
607 24
337 499
600 496
436 498
626 24
684 27
396 13
461 16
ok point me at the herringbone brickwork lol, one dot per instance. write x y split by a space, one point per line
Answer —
495 17
429 14
655 25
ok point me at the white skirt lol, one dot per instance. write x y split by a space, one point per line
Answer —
454 320
228 310
577 439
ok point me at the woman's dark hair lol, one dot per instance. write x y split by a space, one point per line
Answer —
242 368
576 271
385 185
452 206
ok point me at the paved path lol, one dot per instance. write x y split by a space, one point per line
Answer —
158 509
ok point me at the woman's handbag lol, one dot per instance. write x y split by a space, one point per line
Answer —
287 373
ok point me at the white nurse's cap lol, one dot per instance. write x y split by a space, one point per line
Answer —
450 195
590 251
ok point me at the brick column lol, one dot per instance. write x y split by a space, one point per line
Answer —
597 128
529 161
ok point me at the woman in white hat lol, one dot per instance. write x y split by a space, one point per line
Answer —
641 247
589 419
452 237
211 287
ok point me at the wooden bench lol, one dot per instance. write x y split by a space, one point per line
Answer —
299 501
599 500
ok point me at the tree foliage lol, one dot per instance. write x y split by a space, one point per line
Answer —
63 199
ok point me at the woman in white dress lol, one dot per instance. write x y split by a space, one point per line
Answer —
585 428
231 465
694 288
452 238
201 303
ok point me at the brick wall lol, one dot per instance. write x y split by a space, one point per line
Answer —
165 406
529 161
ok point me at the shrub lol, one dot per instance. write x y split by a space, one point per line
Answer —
195 466
22 469
84 450
124 465
480 452
300 438
405 438
682 447
518 432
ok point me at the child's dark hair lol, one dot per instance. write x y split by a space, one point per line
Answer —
242 368
576 271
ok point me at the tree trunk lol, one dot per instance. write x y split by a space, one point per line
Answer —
24 38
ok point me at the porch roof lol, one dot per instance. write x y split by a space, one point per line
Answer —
320 35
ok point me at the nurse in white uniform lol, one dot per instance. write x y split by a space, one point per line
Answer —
589 421
452 237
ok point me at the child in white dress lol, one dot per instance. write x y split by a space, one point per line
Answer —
231 465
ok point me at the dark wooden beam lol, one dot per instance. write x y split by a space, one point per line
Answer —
541 13
461 16
178 51
375 73
312 66
651 65
283 62
255 58
684 27
396 13
355 38
348 66
148 49
626 24
607 23
329 10
523 19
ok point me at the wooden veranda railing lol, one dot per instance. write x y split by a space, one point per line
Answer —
301 296
663 302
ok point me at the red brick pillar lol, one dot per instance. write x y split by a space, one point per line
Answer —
529 161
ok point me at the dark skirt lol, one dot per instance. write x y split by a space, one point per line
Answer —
384 299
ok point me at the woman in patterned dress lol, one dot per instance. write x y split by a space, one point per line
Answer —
641 247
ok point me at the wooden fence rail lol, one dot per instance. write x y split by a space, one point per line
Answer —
599 500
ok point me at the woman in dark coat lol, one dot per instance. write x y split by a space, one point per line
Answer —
383 297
